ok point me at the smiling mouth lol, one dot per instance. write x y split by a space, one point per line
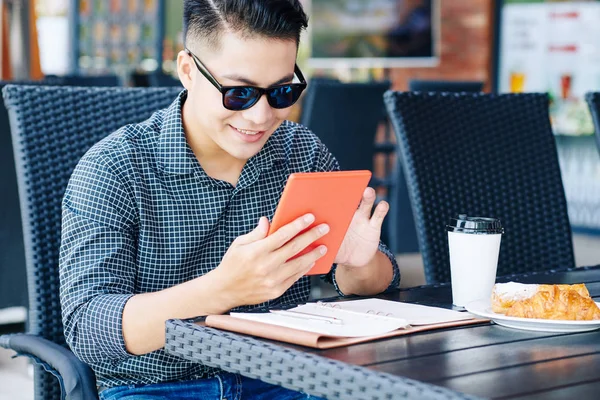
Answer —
247 132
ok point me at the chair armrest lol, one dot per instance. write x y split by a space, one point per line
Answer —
77 378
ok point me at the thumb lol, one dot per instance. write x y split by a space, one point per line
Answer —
258 233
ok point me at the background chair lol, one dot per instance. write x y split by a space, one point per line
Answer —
346 117
52 127
593 100
13 288
159 78
416 85
13 283
83 80
400 225
154 79
483 155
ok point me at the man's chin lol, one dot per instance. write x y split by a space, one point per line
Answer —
244 152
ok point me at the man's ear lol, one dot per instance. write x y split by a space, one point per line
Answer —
185 69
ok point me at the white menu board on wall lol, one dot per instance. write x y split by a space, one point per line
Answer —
553 47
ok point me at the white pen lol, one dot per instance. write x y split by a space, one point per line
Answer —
303 315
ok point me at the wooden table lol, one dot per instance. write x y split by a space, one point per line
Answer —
485 361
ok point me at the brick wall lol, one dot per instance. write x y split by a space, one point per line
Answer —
466 43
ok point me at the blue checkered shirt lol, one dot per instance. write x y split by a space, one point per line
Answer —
141 215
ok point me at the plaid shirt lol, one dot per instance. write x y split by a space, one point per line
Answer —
141 215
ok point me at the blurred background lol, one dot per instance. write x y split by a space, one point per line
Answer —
482 45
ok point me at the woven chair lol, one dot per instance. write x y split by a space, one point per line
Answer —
13 282
52 127
483 155
160 79
13 289
400 223
593 100
345 116
83 80
416 85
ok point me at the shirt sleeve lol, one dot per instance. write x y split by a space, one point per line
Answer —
97 260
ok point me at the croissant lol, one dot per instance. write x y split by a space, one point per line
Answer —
557 302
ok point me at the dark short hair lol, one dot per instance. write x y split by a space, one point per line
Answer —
205 20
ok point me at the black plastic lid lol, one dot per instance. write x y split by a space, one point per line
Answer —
481 225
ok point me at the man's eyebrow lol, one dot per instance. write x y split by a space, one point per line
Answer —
250 82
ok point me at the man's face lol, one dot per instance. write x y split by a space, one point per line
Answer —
252 61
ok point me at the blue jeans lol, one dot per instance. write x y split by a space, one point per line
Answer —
223 386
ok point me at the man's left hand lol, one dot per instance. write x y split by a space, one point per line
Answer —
361 242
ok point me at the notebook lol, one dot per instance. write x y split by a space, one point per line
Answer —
327 325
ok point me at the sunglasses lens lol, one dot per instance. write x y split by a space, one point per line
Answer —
240 98
284 96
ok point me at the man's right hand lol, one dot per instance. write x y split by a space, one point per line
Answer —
256 269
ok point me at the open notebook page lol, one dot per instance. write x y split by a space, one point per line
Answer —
415 314
356 318
351 324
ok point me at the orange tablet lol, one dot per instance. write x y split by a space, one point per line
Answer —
332 197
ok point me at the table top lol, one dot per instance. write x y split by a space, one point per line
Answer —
483 361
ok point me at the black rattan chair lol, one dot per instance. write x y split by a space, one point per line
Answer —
13 282
593 100
483 155
400 224
160 79
345 116
83 80
13 288
52 127
416 85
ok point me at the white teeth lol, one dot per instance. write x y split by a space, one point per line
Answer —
245 132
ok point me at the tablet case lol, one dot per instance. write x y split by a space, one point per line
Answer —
332 197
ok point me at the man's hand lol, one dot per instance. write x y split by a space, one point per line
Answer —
362 239
256 267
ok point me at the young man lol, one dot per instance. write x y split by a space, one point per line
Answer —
169 218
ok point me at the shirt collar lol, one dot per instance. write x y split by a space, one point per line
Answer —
173 150
176 157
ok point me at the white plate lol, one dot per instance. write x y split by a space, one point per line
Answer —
483 308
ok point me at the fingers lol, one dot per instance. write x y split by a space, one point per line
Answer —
300 242
258 233
288 232
366 205
379 214
298 267
367 201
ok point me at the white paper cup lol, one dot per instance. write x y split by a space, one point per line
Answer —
474 244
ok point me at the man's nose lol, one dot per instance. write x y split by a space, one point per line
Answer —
260 113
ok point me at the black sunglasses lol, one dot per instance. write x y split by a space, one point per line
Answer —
238 98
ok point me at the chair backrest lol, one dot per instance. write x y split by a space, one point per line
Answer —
403 229
13 285
159 79
13 288
593 100
483 155
83 80
345 117
52 127
416 85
